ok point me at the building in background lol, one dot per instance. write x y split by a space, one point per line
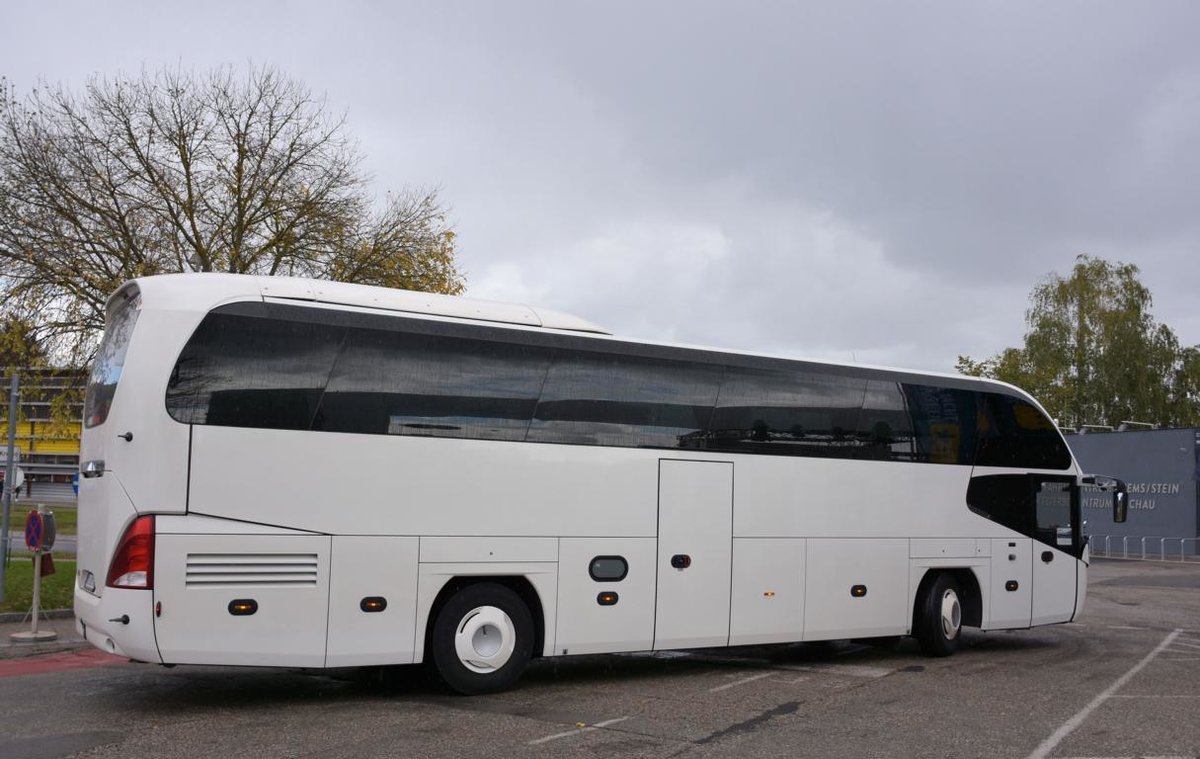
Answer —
1161 468
48 425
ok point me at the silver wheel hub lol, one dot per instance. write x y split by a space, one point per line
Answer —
485 639
951 614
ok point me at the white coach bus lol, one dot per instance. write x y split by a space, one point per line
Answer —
298 473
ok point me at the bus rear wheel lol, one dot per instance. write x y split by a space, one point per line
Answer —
482 639
938 622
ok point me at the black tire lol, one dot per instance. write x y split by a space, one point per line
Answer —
482 639
938 617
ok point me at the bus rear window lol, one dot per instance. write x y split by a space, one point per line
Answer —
110 360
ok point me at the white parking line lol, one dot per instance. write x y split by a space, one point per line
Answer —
578 731
845 670
1151 695
1185 644
1048 745
743 681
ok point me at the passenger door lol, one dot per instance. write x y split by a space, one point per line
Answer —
1056 518
695 550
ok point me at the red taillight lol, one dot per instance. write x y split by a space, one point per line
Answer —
133 563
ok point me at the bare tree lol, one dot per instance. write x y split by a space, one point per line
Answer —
174 171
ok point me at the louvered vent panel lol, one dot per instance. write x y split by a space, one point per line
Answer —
234 569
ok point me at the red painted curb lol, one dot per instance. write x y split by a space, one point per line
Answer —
39 665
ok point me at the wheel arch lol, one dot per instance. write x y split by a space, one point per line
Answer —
519 584
969 593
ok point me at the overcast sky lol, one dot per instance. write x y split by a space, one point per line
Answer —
880 182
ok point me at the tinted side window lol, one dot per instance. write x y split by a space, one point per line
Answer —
884 426
242 370
786 413
1014 433
397 383
609 399
944 422
1003 498
1052 503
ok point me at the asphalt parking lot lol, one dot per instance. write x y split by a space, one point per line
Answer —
1123 681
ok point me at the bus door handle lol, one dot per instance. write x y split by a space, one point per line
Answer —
1047 556
681 561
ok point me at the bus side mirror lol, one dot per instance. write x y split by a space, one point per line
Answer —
1120 503
1120 494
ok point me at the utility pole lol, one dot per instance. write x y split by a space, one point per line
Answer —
10 475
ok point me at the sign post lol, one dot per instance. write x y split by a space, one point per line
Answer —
39 537
10 473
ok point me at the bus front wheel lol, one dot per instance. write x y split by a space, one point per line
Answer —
938 622
482 639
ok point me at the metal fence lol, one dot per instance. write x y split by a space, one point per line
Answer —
1154 547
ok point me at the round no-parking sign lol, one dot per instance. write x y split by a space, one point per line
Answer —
34 531
39 531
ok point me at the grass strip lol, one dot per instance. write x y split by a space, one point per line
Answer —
66 518
57 589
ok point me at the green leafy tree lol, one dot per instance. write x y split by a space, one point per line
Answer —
1094 354
175 172
1185 388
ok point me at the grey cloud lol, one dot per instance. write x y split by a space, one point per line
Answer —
879 181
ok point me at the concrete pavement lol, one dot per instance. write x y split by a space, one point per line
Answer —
60 621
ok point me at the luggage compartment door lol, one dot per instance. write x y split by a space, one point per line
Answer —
695 551
283 578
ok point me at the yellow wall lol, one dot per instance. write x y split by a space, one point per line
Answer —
33 437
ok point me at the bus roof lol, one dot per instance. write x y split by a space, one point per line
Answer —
204 291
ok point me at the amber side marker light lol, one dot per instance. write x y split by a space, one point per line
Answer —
243 607
858 591
607 598
373 603
1011 585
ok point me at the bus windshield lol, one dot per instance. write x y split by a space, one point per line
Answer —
110 360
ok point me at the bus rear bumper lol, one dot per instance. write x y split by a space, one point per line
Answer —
120 622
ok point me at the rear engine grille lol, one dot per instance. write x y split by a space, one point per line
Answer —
239 569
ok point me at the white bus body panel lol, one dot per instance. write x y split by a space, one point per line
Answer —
362 567
495 549
139 409
1012 562
585 627
1053 585
835 498
767 604
834 567
198 575
104 513
422 486
134 640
